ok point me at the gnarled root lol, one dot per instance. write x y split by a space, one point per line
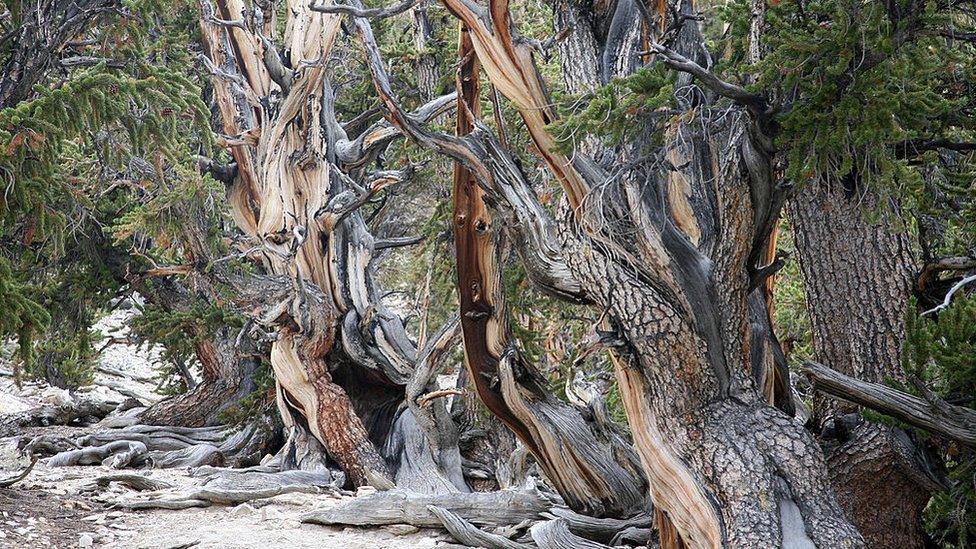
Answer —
399 507
469 534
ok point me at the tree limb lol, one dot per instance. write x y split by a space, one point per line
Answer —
953 422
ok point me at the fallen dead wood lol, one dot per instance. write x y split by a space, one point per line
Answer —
113 454
232 488
500 508
555 534
64 414
130 480
8 482
601 529
953 422
469 534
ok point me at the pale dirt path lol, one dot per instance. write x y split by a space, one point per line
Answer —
51 509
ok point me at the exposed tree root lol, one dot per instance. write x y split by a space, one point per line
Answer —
399 507
555 534
469 534
165 447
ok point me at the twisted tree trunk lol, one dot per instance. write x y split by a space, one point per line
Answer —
341 359
672 257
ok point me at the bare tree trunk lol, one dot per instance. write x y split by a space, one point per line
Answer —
341 359
858 277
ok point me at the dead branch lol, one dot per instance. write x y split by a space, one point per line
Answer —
469 534
953 422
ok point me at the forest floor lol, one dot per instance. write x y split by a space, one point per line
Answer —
52 506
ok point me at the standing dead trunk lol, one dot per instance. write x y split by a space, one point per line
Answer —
858 278
591 469
341 359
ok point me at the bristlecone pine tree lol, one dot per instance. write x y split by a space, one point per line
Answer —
636 166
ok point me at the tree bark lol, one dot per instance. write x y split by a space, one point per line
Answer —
858 277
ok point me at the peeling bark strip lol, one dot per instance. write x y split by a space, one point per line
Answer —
582 467
512 70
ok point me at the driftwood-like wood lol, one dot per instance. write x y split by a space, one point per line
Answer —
555 534
469 534
66 414
492 509
136 482
114 454
953 422
599 529
232 488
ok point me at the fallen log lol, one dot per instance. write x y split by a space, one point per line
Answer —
44 416
493 509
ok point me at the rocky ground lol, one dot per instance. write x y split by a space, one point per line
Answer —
59 507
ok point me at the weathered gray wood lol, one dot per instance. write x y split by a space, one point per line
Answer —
954 422
469 534
129 450
555 534
136 482
43 416
398 507
599 529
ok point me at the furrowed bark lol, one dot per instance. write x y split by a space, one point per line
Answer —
858 277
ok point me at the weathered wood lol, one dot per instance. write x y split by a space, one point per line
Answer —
120 452
469 534
10 481
599 529
64 414
136 482
953 422
398 507
555 534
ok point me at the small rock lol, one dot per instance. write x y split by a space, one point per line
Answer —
115 514
86 540
290 524
241 510
402 529
365 491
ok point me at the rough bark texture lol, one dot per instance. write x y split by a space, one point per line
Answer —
858 276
